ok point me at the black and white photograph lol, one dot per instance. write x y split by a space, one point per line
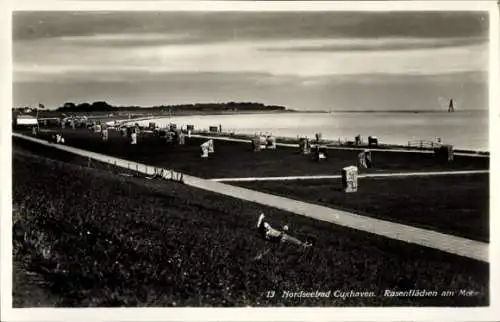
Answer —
237 158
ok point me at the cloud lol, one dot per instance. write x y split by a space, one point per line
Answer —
290 58
129 40
50 44
343 92
54 58
228 26
379 44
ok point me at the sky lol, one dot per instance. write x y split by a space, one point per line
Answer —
301 60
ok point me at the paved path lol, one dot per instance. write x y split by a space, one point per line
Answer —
368 175
428 238
291 145
132 120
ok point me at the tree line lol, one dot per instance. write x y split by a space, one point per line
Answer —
229 106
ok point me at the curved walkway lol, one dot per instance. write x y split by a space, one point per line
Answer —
423 237
368 175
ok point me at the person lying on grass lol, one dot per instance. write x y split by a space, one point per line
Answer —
273 235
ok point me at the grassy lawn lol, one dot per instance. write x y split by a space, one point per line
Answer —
458 204
98 239
233 159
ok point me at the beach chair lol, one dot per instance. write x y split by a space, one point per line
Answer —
350 179
204 150
256 144
372 141
271 143
320 153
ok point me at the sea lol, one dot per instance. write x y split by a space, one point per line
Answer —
463 129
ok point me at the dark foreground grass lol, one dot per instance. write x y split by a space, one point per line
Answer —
458 204
98 239
234 159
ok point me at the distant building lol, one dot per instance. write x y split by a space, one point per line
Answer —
25 120
451 107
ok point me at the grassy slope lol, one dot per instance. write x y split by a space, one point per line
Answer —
121 241
30 290
233 159
458 205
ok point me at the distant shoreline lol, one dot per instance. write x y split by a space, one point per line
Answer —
149 113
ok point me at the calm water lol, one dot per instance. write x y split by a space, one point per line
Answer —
464 129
